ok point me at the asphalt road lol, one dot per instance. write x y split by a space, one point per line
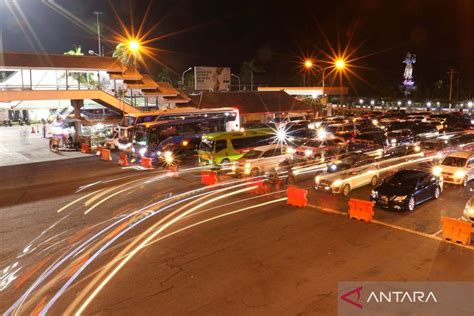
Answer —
85 235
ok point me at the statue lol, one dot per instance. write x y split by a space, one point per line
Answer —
408 75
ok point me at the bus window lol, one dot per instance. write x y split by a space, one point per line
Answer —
221 145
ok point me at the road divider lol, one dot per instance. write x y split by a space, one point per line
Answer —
99 151
85 148
123 159
361 210
106 156
296 196
146 162
456 231
208 177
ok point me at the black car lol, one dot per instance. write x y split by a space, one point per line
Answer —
367 141
424 131
407 188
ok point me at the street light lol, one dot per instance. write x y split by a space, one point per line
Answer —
361 101
340 64
91 52
372 102
237 78
308 64
469 104
182 76
133 46
97 13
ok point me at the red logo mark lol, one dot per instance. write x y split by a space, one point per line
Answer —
344 297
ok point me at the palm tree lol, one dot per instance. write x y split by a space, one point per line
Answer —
248 69
75 51
123 53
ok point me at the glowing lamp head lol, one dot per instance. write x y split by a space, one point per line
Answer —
133 45
340 63
290 150
308 63
281 135
308 152
437 171
322 134
185 143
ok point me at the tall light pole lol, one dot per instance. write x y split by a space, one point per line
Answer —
182 76
308 64
97 13
237 78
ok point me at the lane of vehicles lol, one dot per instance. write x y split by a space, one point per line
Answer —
456 168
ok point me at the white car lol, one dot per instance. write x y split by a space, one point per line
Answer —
261 160
360 174
457 168
468 214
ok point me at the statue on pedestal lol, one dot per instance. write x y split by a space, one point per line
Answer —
410 59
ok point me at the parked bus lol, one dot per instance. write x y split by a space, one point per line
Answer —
226 147
150 138
229 116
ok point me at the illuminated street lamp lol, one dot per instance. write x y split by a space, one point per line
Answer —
428 104
340 64
308 65
372 102
182 76
361 101
133 46
469 104
409 102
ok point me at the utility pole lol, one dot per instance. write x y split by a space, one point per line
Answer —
97 13
451 72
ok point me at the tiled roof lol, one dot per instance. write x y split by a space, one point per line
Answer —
250 101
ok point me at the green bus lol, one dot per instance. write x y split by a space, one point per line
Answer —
226 147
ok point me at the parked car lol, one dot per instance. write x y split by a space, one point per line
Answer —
439 147
468 214
401 151
367 141
260 160
346 130
406 189
400 137
321 149
424 132
456 168
348 174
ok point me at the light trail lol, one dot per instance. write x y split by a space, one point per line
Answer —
138 248
105 199
17 305
77 200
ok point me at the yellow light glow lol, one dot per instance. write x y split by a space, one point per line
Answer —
134 45
340 63
308 63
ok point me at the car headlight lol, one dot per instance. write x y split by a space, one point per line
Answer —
437 171
159 153
247 165
337 183
234 168
400 198
290 150
333 167
459 174
374 194
142 151
308 152
311 126
133 149
393 140
317 179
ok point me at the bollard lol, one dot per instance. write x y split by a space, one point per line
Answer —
99 151
85 148
208 177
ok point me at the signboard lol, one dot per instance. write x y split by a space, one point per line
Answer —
212 78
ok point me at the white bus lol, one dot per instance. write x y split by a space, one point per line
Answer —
229 116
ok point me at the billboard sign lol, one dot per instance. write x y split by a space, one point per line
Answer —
211 78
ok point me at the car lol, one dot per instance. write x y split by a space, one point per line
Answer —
400 151
424 131
367 141
400 137
439 147
346 130
260 160
347 175
321 149
468 214
406 189
456 168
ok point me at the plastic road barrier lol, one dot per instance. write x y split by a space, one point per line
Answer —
208 177
99 151
123 159
85 148
296 196
456 231
146 162
106 156
361 210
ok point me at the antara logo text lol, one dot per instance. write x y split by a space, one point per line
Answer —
354 297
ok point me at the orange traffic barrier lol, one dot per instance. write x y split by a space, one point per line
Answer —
361 210
455 230
99 151
123 159
208 177
32 130
296 196
146 162
173 170
106 155
85 148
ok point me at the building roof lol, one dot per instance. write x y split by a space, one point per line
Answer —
13 60
164 89
250 101
145 83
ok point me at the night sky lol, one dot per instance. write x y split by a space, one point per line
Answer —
276 33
